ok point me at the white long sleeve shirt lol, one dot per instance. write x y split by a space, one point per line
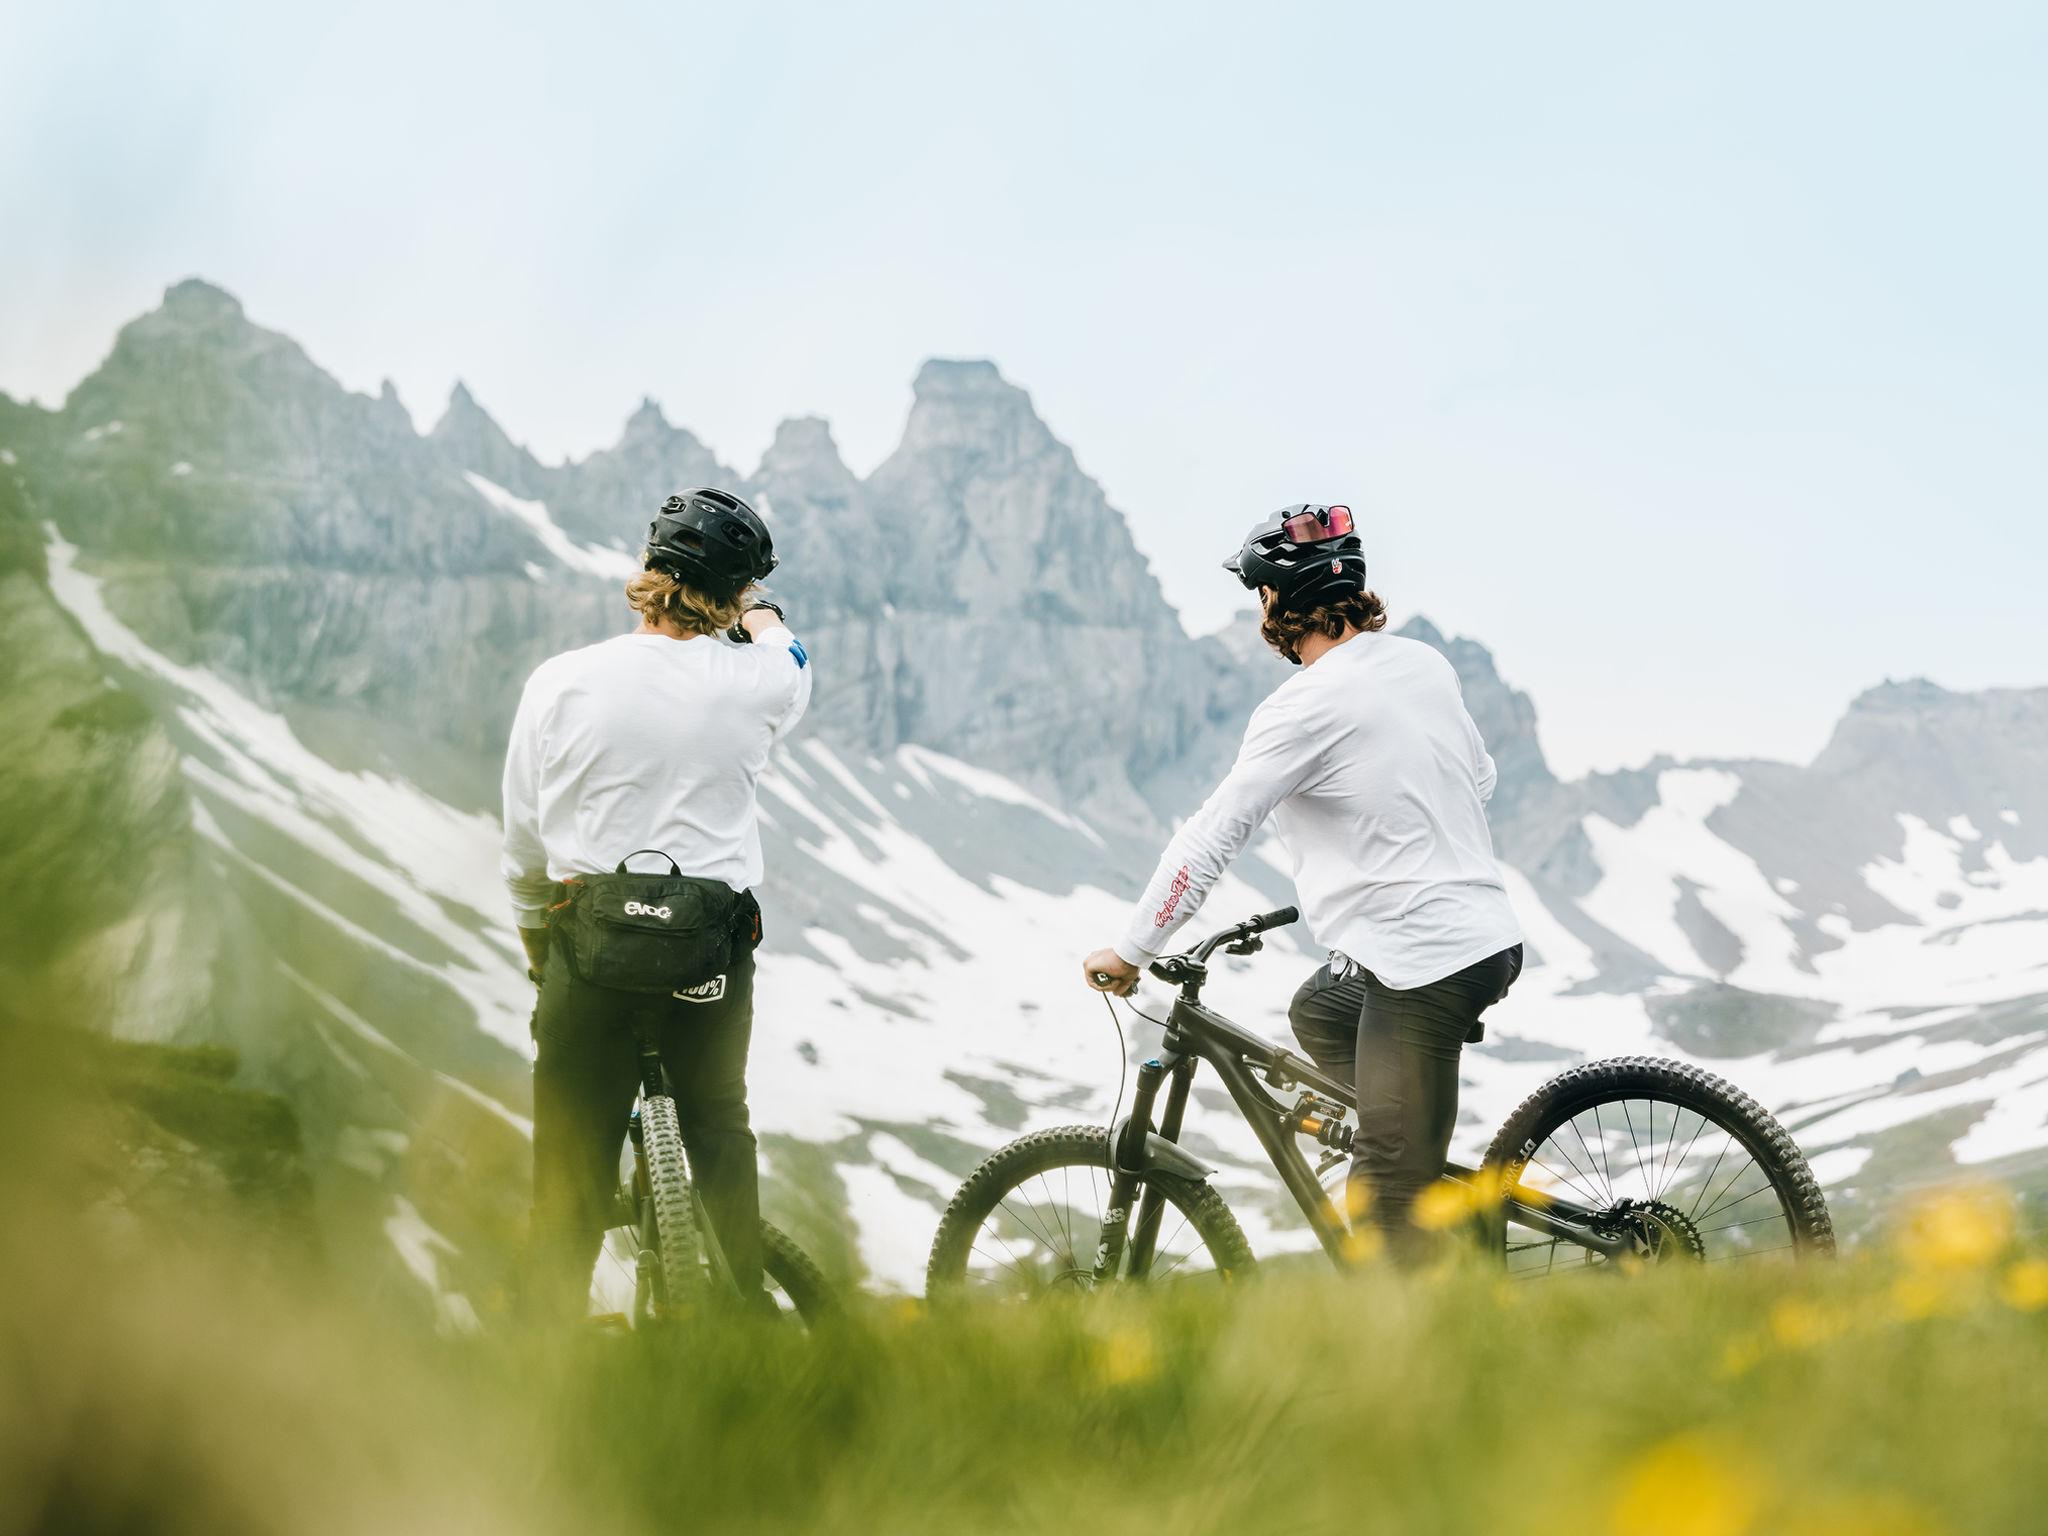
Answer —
644 741
1376 780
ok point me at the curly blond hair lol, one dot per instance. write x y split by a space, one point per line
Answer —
666 603
1283 631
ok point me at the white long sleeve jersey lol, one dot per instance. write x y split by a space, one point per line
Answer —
644 741
1376 780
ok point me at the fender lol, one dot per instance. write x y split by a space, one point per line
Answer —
1161 1153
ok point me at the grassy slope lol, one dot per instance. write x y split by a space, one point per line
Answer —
160 1379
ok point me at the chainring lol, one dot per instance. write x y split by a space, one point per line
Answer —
1657 1232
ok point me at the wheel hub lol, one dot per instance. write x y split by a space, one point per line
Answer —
1657 1233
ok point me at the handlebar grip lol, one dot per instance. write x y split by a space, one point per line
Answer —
1279 919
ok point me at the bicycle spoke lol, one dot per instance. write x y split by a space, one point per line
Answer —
1574 1184
1730 1139
1183 1258
1730 1226
1751 1253
1696 1130
1601 1130
1574 1123
1036 1232
1009 1263
1729 1205
1634 1143
1052 1208
1586 1173
1067 1209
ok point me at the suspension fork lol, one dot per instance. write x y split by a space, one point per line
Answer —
1128 1157
1152 1204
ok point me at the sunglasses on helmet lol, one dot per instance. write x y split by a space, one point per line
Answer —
1309 527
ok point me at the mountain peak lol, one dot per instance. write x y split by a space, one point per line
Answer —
197 299
462 414
1419 628
961 376
804 450
965 407
646 422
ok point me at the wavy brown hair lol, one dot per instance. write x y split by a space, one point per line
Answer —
665 602
1283 631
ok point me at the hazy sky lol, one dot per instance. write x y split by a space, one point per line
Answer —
1693 358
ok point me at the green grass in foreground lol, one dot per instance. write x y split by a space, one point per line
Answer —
173 1385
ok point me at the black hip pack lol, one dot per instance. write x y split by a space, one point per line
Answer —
654 933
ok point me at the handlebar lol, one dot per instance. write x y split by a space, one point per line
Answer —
1251 928
1180 969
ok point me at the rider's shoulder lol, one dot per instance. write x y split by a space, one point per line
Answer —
566 667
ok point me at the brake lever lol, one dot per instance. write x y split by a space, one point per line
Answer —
1250 944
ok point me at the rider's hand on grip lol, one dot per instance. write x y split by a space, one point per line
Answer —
1108 971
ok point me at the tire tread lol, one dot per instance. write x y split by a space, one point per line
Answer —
1070 1146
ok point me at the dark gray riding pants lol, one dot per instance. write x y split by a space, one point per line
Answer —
584 1080
1402 1050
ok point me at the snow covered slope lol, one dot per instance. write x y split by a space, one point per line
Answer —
919 996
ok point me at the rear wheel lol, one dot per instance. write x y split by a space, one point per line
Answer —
792 1281
1679 1163
1027 1220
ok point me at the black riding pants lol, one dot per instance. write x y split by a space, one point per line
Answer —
1402 1049
584 1080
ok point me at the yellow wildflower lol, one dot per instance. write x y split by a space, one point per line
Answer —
1442 1205
2025 1285
1800 1324
1962 1228
1921 1295
1740 1356
1125 1355
1685 1486
1362 1245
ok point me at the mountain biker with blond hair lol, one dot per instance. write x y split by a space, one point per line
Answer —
1376 781
650 743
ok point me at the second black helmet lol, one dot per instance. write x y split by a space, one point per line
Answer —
710 539
1309 554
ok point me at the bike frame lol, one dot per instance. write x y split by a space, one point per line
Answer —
1241 1059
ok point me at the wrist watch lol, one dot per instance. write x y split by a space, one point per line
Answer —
738 633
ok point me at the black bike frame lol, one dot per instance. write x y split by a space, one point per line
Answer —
1195 1034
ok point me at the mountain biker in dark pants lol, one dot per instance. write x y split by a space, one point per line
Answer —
1376 780
652 740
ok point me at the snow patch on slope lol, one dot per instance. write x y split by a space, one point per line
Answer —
588 559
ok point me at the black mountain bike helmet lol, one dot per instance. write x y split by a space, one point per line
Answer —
1309 554
710 539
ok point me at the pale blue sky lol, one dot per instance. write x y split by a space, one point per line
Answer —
1695 359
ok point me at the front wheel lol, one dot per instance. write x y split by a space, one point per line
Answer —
1027 1220
1677 1162
679 1274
